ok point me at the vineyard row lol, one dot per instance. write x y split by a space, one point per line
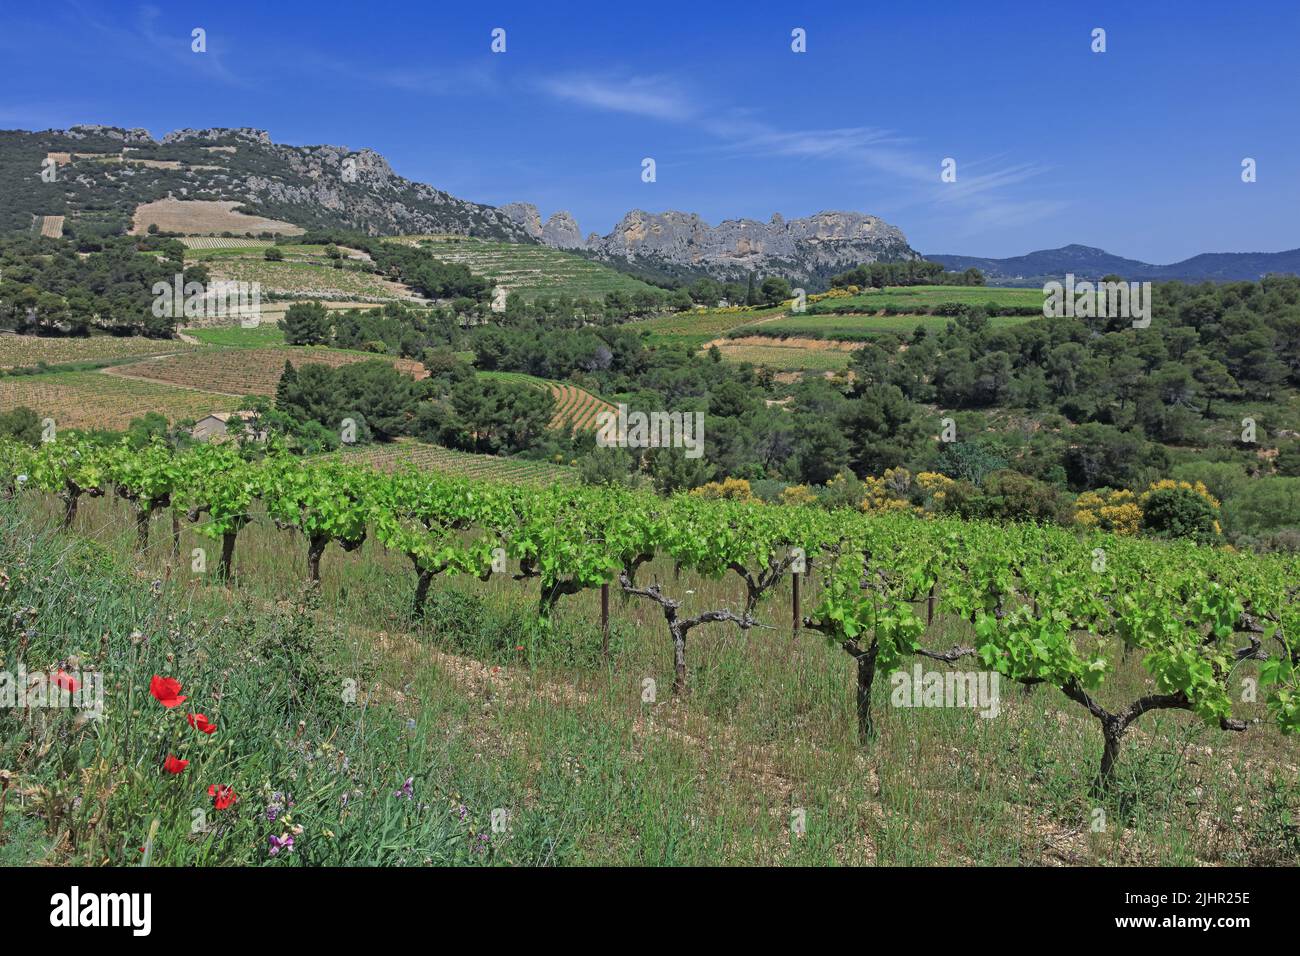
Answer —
1044 605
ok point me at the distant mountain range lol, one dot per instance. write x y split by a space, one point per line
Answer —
809 249
1087 262
102 176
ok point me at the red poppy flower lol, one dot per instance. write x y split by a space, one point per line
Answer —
201 723
166 690
222 797
65 681
174 764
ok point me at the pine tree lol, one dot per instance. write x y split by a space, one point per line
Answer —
284 387
306 323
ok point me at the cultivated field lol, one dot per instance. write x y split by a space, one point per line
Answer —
198 216
52 226
308 279
530 270
23 351
698 326
224 242
920 299
787 355
97 400
407 452
899 311
575 408
250 371
857 327
264 335
206 248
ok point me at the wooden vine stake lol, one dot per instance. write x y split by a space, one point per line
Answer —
798 566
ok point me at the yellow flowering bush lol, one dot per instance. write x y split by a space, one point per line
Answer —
833 294
1169 484
731 489
934 484
1113 510
797 495
888 492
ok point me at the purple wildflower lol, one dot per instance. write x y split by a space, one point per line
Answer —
406 790
279 803
278 843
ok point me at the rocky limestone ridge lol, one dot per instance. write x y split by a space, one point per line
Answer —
328 187
259 136
89 130
333 187
804 248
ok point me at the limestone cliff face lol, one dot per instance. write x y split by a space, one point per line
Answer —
814 246
526 215
562 231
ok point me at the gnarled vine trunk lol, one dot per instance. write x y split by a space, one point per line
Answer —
71 499
316 545
866 667
424 577
679 628
679 662
142 517
224 567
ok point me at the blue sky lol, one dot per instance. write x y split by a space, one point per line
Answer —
1137 150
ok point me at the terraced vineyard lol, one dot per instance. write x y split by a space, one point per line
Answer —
240 372
224 242
22 351
406 451
575 408
97 400
308 279
530 270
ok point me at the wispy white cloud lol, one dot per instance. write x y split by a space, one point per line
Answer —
847 142
652 97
